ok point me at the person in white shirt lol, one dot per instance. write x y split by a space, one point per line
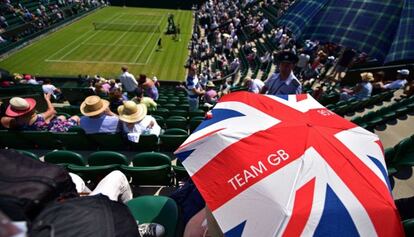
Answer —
254 85
48 88
128 80
136 121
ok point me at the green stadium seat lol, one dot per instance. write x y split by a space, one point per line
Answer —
156 209
171 142
28 154
147 142
184 107
163 112
14 139
65 158
149 175
150 168
179 112
175 131
170 106
76 95
74 141
150 159
107 158
180 173
109 141
409 227
176 122
194 122
93 173
198 112
42 139
160 120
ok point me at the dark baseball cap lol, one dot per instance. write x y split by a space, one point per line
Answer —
287 57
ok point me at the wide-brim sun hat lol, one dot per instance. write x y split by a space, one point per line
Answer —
367 76
93 105
20 106
210 84
131 112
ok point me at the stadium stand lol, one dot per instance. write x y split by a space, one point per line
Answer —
241 42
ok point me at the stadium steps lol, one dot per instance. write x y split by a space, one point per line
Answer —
397 94
393 134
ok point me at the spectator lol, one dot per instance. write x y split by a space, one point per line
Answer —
116 98
194 89
128 80
344 63
141 99
150 88
28 79
113 85
136 121
21 114
99 90
48 88
211 96
98 118
361 91
302 63
400 82
285 82
254 85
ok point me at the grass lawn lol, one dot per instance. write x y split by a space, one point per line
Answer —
125 36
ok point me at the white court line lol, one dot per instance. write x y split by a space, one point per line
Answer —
49 58
122 36
149 39
153 49
70 51
121 45
94 62
162 14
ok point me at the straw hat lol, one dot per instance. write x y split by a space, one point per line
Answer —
367 76
210 84
131 112
93 105
20 106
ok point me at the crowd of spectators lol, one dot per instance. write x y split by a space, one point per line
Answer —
222 30
18 21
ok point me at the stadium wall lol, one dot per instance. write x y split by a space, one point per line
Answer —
170 4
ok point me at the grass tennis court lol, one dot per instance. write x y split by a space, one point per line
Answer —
103 41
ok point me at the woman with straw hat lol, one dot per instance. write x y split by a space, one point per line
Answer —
362 90
136 121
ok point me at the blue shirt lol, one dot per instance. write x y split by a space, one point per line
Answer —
191 83
276 86
365 92
102 124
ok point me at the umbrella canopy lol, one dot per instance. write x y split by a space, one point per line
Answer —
382 29
271 166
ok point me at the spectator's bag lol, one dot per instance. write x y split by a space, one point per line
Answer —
84 217
27 185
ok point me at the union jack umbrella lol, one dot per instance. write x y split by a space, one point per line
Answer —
287 166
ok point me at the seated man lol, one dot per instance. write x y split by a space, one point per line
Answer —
400 82
98 118
141 99
361 91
